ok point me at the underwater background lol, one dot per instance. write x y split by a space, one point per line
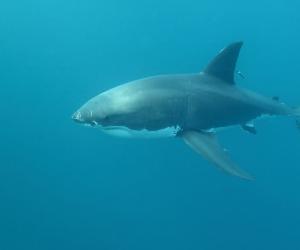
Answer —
64 186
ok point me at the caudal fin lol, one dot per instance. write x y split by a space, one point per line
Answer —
297 115
297 112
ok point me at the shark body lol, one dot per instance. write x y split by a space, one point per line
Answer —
189 106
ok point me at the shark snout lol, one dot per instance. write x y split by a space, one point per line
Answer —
84 117
77 117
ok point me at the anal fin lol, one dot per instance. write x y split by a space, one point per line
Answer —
207 145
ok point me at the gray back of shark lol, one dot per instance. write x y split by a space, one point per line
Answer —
187 106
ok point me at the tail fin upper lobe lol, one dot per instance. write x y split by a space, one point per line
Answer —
297 115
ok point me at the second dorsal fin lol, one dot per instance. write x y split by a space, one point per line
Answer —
223 65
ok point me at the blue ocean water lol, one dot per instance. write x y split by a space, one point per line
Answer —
64 186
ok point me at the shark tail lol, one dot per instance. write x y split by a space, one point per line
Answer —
296 114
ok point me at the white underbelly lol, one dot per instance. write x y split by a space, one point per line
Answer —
144 133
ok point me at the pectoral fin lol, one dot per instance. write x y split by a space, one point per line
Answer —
207 145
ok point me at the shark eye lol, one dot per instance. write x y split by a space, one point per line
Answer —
106 117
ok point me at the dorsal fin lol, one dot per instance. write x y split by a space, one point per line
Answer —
223 65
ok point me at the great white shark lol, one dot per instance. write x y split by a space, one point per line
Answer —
187 106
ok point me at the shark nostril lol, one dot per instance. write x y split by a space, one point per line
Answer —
77 117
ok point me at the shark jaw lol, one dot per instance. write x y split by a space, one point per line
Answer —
125 132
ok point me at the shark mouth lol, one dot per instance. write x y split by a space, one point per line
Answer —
122 131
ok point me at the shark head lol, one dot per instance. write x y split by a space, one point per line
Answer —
92 113
129 110
108 110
